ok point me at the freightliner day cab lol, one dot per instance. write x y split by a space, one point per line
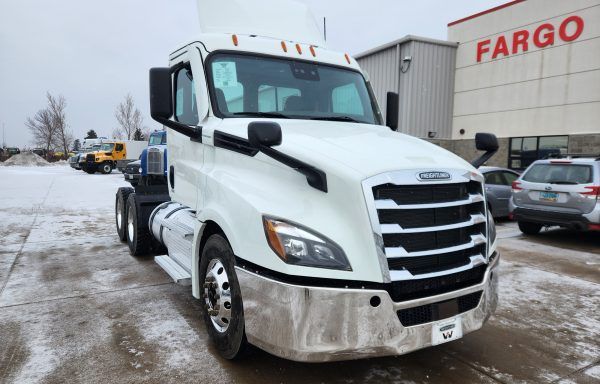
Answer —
303 224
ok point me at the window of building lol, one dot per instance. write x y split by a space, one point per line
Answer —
526 150
186 110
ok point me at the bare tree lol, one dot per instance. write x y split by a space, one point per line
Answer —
42 128
56 107
129 119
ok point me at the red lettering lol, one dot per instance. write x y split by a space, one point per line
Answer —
501 47
548 37
562 32
482 47
520 39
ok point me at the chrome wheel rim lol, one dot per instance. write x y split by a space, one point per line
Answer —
106 168
217 295
130 225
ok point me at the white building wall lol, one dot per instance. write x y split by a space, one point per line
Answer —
544 91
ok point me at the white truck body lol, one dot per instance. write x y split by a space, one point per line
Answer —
291 309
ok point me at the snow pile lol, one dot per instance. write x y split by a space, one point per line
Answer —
26 159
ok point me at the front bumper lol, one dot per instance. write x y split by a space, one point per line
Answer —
314 324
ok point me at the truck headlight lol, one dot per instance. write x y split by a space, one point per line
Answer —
300 246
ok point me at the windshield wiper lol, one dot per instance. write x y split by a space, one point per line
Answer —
562 182
275 115
336 118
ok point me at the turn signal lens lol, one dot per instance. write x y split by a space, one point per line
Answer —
516 186
300 246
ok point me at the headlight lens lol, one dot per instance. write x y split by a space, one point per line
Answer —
300 246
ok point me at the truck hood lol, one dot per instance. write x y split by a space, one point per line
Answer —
364 149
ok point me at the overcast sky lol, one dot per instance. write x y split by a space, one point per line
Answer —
95 52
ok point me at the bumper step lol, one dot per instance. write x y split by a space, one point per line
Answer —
173 269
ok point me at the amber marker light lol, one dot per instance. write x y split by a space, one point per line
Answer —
234 38
274 240
312 51
299 49
284 46
347 58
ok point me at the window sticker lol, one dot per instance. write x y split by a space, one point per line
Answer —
224 74
179 102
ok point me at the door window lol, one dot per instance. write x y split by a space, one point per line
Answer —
186 110
119 147
494 178
510 177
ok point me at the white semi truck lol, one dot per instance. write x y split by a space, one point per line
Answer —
303 224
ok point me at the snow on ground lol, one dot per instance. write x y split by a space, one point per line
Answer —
26 159
74 306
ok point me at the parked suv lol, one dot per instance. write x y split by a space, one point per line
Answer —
563 192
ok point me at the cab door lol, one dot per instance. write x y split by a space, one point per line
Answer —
120 152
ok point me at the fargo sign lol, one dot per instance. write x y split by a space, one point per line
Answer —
543 36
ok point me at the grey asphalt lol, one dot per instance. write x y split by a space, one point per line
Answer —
76 308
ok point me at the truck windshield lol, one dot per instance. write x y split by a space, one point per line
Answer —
246 85
107 147
157 139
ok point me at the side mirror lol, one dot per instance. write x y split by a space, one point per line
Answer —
487 142
161 103
392 110
161 93
264 133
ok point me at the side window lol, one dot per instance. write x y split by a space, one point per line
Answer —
119 147
273 99
510 177
346 100
186 110
494 178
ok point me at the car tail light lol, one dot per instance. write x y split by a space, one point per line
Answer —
594 227
516 186
593 193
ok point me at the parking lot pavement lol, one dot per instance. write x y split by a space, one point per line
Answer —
75 307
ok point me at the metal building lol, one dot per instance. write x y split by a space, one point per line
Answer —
421 71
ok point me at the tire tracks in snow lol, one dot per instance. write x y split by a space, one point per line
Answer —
20 251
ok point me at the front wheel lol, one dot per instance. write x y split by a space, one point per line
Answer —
223 311
106 168
530 228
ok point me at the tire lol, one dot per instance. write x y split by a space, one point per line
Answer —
121 212
530 228
225 325
138 239
106 168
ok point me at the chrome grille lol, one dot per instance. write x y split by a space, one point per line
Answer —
155 161
431 228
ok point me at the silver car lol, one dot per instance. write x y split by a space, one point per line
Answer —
563 192
498 182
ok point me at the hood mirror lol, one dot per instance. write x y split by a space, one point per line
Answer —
264 133
487 142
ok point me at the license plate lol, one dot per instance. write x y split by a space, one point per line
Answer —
549 196
446 330
130 177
